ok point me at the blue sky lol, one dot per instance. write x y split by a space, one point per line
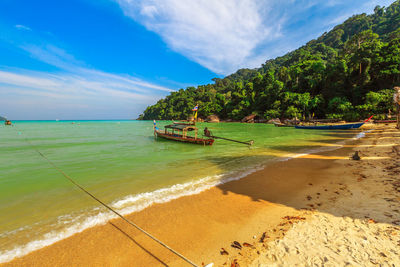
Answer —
109 59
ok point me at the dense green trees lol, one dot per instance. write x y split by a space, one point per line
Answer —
346 73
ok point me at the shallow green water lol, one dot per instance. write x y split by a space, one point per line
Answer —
121 163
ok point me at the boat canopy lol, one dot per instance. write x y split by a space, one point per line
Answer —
181 127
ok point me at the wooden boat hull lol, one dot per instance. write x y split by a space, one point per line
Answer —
332 127
188 139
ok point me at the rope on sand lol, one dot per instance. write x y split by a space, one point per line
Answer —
108 207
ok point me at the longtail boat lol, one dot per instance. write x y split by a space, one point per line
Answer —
179 132
346 126
331 127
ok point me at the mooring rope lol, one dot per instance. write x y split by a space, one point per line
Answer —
108 207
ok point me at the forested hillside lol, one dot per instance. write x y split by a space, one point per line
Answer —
347 73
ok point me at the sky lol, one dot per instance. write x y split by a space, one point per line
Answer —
110 59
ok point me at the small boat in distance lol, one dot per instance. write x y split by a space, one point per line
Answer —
6 121
179 132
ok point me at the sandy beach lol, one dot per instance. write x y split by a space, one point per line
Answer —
314 210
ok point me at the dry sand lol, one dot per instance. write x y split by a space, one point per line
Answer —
360 225
319 210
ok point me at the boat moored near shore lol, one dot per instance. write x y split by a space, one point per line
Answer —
179 132
331 127
346 126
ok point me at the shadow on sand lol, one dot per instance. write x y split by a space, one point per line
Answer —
313 183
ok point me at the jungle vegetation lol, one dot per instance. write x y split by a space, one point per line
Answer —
347 73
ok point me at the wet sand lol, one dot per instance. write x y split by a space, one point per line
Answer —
285 201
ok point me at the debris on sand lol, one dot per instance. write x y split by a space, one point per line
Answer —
236 244
264 235
224 252
248 245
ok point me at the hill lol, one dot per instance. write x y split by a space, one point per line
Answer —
346 73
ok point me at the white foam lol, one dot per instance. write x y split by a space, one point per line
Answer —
141 201
125 206
53 236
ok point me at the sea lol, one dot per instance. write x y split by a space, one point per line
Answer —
124 165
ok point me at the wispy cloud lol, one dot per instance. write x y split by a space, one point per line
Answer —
22 27
52 55
121 96
88 92
224 35
64 85
60 58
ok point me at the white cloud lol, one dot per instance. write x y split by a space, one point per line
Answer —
25 94
75 77
219 34
65 85
225 35
75 84
60 58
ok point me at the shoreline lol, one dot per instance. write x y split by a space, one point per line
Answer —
205 222
159 196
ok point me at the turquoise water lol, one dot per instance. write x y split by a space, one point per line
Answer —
122 164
